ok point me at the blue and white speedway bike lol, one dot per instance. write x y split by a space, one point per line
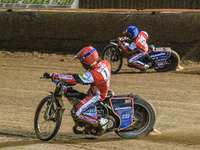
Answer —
161 59
129 115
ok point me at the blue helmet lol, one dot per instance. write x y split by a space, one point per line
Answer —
132 31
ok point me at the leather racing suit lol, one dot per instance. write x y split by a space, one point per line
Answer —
141 45
98 77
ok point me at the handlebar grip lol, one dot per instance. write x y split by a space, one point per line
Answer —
47 75
112 40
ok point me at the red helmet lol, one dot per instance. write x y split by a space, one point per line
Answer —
88 55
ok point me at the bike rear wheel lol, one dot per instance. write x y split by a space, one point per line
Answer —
48 118
143 120
171 63
112 54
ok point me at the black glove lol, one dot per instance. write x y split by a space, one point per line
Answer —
47 75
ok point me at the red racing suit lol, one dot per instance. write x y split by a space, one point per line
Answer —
98 77
141 45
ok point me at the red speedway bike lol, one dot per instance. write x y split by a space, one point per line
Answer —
130 116
161 59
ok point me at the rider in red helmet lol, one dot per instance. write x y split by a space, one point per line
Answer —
137 48
98 76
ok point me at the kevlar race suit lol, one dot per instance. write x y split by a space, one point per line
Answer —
98 77
141 46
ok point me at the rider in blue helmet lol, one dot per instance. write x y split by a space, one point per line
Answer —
132 32
138 47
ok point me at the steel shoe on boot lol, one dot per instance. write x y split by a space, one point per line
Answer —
145 68
103 122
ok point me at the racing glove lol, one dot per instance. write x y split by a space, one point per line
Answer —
47 75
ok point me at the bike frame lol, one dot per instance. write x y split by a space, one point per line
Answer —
159 57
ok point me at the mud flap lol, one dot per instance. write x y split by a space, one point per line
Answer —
123 108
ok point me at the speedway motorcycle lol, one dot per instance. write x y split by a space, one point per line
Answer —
129 115
161 59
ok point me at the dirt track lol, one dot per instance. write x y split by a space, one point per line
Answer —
175 95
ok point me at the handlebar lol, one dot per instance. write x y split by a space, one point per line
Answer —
62 83
59 82
113 40
122 39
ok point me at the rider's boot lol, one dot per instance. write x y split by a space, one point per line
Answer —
76 131
145 68
103 122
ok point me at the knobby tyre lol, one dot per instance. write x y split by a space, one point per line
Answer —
172 63
143 120
112 54
48 118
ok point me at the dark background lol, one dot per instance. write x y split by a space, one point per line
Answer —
140 4
69 31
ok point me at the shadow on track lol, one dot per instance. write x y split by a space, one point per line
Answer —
20 138
179 136
25 138
25 142
134 72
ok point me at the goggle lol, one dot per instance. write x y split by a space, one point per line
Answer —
86 55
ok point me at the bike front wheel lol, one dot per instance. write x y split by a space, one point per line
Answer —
48 118
112 54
